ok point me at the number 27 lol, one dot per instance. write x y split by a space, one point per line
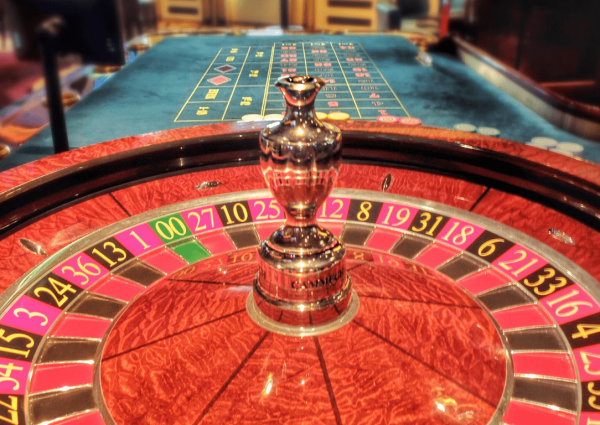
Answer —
197 216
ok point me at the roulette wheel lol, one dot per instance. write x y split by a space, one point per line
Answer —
129 267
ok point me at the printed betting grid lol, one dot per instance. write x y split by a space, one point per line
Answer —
240 81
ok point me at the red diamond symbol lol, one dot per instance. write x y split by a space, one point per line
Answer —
217 81
225 68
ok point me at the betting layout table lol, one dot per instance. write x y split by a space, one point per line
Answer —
128 264
185 81
241 80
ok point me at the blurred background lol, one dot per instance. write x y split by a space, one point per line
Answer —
553 42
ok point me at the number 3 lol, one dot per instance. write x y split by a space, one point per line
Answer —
592 399
31 315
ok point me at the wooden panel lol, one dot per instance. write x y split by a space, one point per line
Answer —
340 15
266 12
181 9
546 40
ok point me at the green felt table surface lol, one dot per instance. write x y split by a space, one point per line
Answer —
168 86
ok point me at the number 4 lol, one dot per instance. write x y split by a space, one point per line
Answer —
585 331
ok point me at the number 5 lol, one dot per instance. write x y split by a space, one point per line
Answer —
273 205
